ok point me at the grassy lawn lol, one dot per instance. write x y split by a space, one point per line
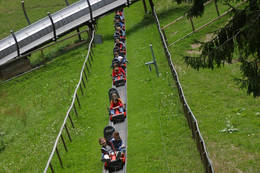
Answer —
32 108
218 102
159 139
12 17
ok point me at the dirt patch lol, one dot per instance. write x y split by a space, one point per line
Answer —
227 158
208 37
193 52
195 45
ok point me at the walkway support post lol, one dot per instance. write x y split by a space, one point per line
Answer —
25 14
78 31
16 43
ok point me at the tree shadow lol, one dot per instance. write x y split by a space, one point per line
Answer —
148 19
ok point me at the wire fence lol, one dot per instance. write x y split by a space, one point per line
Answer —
192 121
73 108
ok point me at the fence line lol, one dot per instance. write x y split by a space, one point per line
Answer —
203 26
192 121
181 17
72 106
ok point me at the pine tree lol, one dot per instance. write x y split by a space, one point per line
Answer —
241 34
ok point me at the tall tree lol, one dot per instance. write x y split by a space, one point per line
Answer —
240 36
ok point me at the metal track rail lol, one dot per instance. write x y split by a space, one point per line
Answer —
54 26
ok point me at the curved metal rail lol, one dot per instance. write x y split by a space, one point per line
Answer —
55 25
72 106
192 121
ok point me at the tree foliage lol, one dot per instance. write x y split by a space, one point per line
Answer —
239 37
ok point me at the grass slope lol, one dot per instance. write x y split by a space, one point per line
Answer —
218 102
159 139
32 108
12 17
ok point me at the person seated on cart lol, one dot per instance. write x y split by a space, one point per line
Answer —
119 35
106 149
122 52
118 71
121 60
120 12
119 24
117 142
119 44
119 18
116 103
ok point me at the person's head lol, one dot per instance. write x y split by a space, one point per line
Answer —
118 28
117 40
116 69
102 141
116 54
116 135
114 97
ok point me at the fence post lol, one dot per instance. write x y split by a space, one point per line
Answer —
192 25
52 170
145 7
216 6
64 144
81 89
87 67
78 100
83 82
25 14
72 124
58 154
75 110
68 133
85 75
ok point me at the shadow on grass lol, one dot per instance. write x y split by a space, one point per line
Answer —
148 19
58 52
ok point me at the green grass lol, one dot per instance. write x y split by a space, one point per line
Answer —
215 99
12 17
159 139
183 26
32 108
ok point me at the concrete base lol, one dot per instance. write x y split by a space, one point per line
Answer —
14 68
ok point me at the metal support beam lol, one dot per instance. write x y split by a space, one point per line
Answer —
90 11
78 31
128 3
53 27
153 62
16 43
25 14
67 3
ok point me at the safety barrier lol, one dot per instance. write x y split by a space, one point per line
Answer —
83 75
192 121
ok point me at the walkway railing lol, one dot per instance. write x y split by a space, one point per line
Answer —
82 81
192 121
